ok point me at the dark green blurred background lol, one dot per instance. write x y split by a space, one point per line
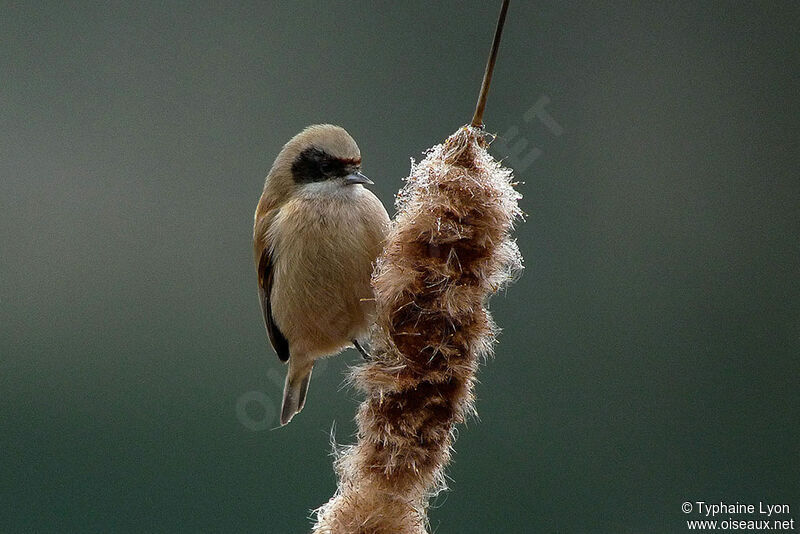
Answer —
650 350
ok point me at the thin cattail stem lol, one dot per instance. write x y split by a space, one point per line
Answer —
448 250
477 118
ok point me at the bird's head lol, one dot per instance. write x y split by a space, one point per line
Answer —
321 157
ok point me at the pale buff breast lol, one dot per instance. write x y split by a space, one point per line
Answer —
325 246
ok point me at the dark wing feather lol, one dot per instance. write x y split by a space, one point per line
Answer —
276 337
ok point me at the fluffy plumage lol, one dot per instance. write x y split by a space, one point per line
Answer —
316 235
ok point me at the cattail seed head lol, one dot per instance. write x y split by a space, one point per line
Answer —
449 249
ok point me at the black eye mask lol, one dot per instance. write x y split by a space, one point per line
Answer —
316 165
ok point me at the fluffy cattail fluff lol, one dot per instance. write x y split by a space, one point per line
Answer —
448 251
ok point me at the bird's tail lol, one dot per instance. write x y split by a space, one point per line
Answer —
294 391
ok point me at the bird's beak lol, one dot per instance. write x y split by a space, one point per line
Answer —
357 178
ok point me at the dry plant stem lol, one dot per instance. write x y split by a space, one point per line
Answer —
477 118
449 249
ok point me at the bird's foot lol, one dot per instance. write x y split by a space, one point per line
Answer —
364 354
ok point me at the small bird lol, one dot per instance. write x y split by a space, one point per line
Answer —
316 236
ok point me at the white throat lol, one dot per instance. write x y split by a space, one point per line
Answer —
329 188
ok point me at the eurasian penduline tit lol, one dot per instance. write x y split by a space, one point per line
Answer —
316 236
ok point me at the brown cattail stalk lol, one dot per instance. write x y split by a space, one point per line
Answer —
448 251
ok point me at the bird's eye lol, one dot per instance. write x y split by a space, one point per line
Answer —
326 167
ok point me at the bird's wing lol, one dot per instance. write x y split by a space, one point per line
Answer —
265 274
